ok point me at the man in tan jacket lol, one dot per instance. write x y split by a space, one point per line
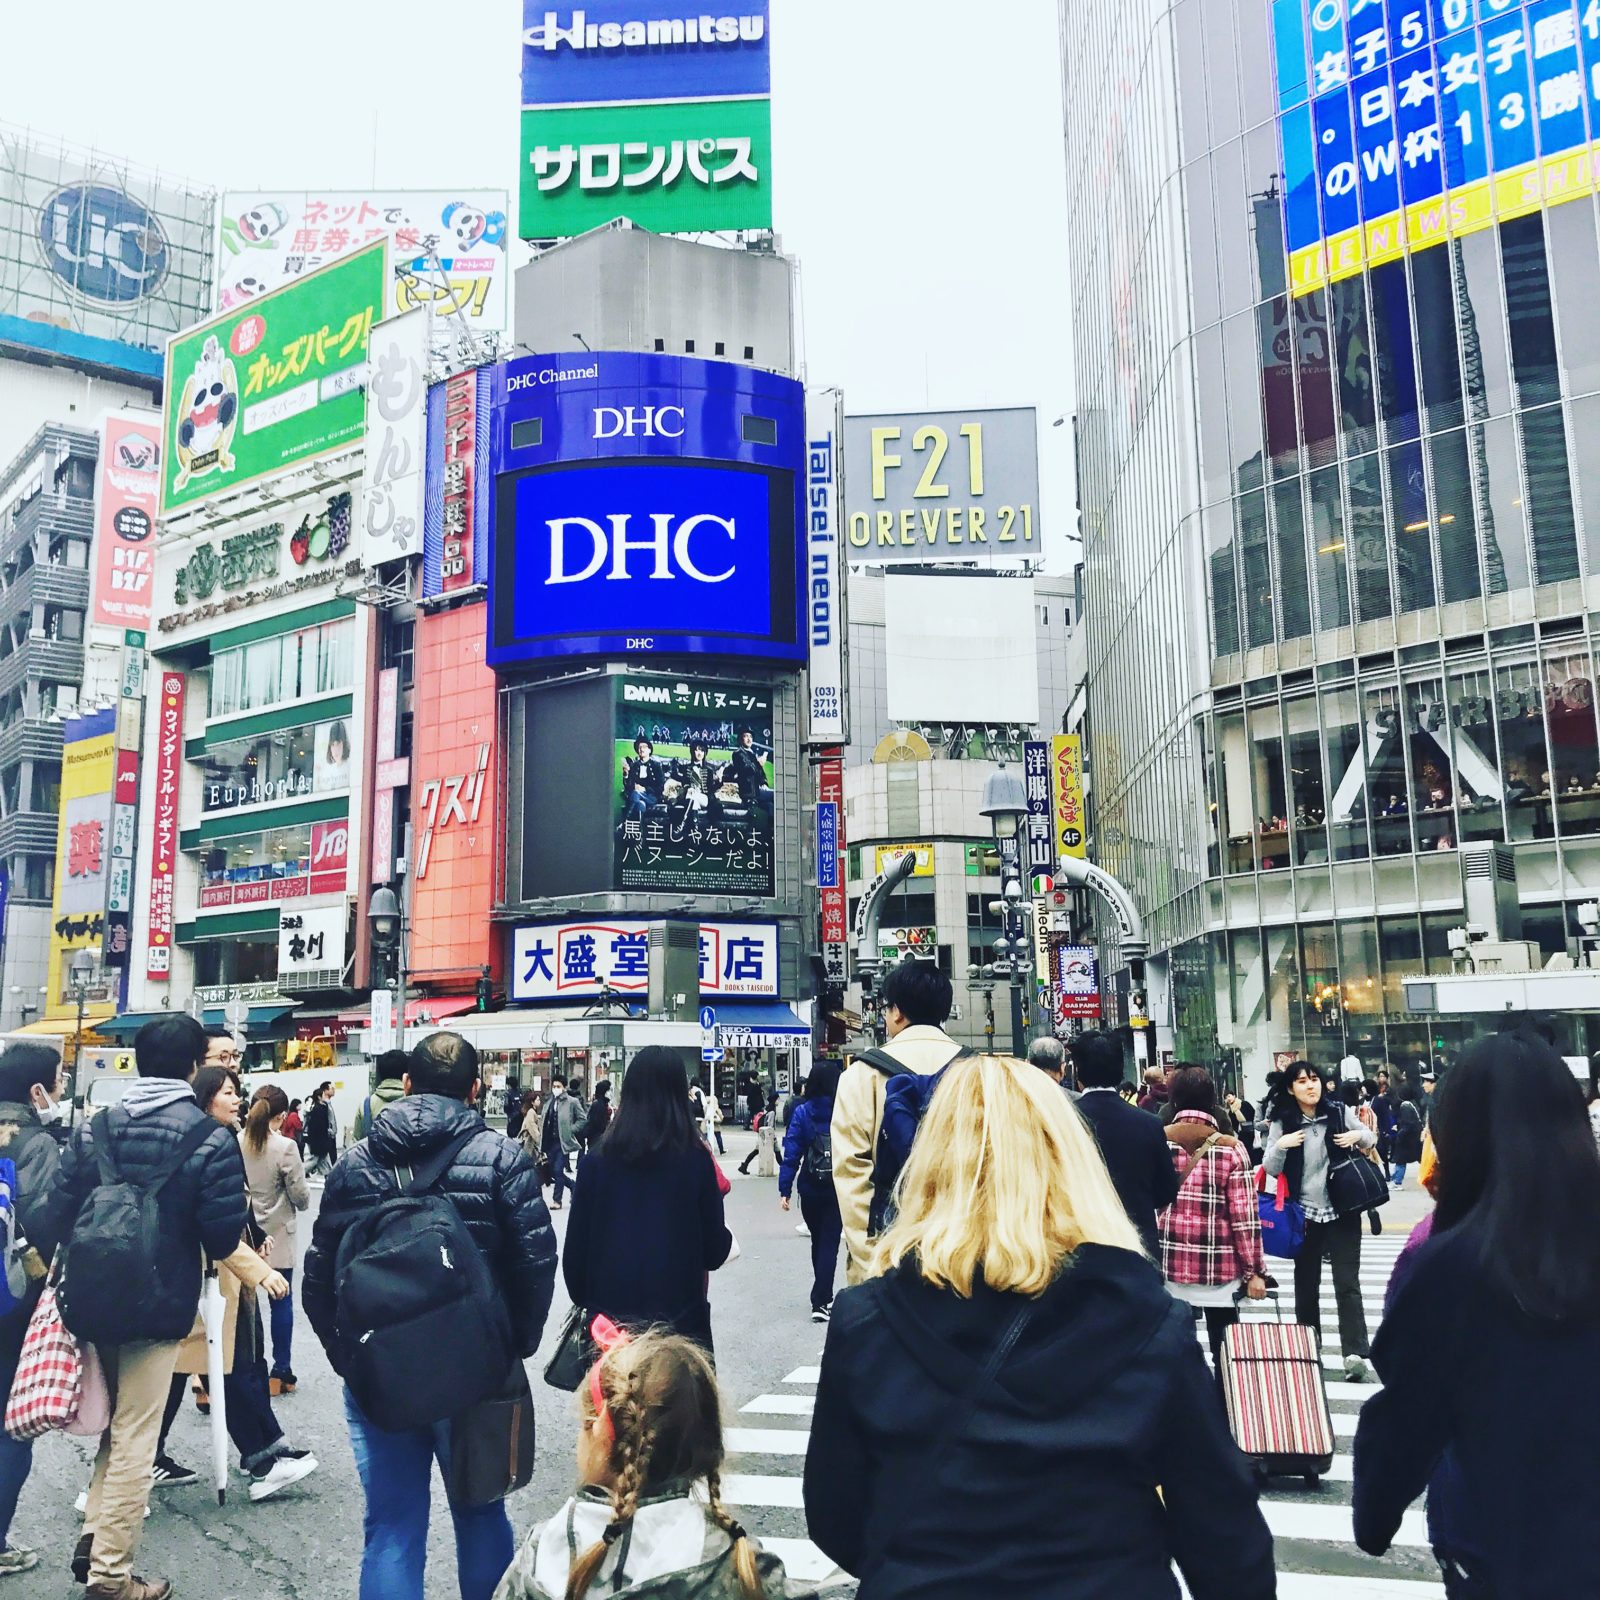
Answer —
916 1004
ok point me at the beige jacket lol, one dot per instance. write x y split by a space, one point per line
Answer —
245 1267
276 1181
857 1114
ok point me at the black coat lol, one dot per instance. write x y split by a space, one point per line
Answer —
1050 1490
641 1237
1514 1401
202 1207
1134 1145
36 1152
491 1183
321 1137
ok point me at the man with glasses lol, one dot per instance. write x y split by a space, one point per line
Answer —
221 1051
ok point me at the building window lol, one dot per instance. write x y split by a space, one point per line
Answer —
290 666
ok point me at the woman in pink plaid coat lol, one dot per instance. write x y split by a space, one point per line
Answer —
1211 1234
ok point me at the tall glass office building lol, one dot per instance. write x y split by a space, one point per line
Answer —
1336 297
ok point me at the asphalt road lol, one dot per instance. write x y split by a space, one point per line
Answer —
306 1543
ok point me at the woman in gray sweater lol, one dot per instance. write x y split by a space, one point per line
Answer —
1308 1129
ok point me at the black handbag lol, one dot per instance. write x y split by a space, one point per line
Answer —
491 1445
574 1354
1355 1183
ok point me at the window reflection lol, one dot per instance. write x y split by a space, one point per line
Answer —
1307 797
1347 801
1493 452
1368 539
1271 786
1478 783
1233 791
1328 545
1352 350
1519 713
1570 716
1388 784
1427 734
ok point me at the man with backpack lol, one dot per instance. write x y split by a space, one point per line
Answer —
917 999
428 1281
30 1089
141 1192
388 1074
322 1133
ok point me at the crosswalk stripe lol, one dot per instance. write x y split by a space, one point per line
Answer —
1301 1519
762 1489
804 1375
1320 1586
766 1441
1344 1424
781 1405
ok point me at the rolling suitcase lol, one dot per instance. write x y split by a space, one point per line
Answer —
1277 1398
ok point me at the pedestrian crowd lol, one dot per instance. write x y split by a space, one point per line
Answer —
1012 1394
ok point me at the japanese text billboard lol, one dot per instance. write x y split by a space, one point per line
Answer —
1075 977
830 869
829 722
694 771
1041 830
572 960
394 472
83 854
1404 122
942 486
447 247
632 108
168 747
1066 786
276 381
127 493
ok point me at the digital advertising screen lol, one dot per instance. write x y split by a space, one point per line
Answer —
645 506
694 786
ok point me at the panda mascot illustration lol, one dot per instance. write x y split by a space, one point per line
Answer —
208 411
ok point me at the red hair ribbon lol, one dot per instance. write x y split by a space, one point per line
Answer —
608 1336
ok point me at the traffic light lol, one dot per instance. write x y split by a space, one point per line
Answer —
485 991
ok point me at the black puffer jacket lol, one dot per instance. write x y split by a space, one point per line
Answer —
202 1207
37 1152
492 1183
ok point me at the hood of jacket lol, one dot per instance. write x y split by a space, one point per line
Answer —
922 1049
386 1093
415 1126
1093 1322
147 1095
1190 1129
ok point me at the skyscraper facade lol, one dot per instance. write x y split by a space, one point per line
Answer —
1338 359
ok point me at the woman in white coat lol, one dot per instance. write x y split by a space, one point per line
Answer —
276 1179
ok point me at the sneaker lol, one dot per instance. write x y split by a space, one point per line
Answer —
1356 1369
81 1557
16 1558
134 1589
1375 1222
284 1471
170 1474
802 1230
820 1313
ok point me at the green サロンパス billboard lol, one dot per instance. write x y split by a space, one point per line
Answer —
677 167
275 381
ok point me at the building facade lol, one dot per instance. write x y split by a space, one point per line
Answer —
46 525
1340 495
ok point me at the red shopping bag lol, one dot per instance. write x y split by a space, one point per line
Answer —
48 1388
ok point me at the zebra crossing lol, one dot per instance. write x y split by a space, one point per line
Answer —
1317 1558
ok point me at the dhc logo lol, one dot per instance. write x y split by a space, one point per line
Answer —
665 546
649 422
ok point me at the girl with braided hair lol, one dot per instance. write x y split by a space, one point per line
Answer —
648 1519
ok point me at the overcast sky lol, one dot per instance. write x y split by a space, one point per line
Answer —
918 165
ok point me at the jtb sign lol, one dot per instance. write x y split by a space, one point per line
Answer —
646 505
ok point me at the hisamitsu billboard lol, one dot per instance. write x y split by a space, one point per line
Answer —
645 506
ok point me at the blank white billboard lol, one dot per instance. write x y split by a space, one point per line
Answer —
961 649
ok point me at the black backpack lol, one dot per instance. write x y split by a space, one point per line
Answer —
818 1164
905 1103
420 1327
111 1271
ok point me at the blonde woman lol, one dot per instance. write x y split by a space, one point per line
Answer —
1012 1403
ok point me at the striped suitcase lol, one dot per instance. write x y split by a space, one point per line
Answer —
1277 1400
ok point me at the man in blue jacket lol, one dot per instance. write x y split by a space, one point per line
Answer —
157 1130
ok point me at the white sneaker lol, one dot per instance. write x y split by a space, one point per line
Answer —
1356 1369
284 1471
802 1230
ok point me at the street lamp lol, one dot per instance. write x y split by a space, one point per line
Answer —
79 971
387 921
1005 804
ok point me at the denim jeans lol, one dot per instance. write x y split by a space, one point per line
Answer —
283 1327
1398 1176
561 1174
396 1472
820 1208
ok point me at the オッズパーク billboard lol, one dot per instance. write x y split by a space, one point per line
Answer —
646 505
694 775
276 381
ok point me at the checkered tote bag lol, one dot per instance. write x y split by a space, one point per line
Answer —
48 1387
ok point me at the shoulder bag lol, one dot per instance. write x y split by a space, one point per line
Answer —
491 1445
1354 1183
574 1354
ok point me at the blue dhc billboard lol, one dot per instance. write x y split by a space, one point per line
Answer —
645 505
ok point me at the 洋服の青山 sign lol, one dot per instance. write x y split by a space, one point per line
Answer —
276 381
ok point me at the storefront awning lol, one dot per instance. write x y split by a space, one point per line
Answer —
759 1025
432 1007
65 1027
261 1019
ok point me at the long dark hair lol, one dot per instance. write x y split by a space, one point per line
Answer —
653 1117
1281 1103
1519 1173
824 1080
209 1079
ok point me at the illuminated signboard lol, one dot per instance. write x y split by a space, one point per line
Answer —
1405 122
